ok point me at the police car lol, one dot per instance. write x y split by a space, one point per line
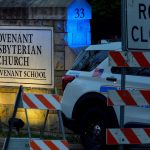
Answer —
85 93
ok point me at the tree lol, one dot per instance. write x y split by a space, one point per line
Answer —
106 19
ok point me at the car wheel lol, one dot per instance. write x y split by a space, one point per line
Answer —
93 129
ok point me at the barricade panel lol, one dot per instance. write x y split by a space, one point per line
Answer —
49 145
128 136
129 98
129 59
41 101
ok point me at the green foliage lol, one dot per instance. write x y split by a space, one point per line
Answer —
106 19
105 8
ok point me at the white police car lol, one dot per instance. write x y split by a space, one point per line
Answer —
85 91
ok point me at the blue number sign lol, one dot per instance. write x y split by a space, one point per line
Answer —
79 13
79 9
78 24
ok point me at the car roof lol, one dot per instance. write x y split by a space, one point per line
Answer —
107 46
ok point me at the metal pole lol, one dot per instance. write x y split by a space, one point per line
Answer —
18 98
60 120
29 131
122 109
61 124
123 73
42 130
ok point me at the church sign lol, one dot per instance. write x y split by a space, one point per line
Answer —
26 56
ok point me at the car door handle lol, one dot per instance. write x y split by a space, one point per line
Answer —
111 79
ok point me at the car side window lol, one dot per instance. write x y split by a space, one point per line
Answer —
135 71
89 60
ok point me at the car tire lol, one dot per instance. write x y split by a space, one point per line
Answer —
93 128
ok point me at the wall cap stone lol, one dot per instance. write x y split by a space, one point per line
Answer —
35 3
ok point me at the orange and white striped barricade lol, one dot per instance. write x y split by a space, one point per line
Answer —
127 136
45 102
119 136
124 98
49 145
129 59
129 97
42 102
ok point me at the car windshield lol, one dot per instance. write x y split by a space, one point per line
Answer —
88 60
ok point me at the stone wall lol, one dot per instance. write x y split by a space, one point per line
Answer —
53 17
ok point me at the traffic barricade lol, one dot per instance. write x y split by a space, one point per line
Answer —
46 102
129 59
128 135
123 98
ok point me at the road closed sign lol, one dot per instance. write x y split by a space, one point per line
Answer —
26 56
137 24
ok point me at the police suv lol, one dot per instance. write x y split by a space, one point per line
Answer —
85 94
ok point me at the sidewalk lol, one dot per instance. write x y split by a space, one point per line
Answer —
72 146
80 147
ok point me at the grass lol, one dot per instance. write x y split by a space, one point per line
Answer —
71 138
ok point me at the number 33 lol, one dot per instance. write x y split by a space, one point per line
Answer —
79 13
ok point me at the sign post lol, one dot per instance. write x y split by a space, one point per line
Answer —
123 74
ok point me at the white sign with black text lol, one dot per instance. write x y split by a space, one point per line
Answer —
26 56
138 24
